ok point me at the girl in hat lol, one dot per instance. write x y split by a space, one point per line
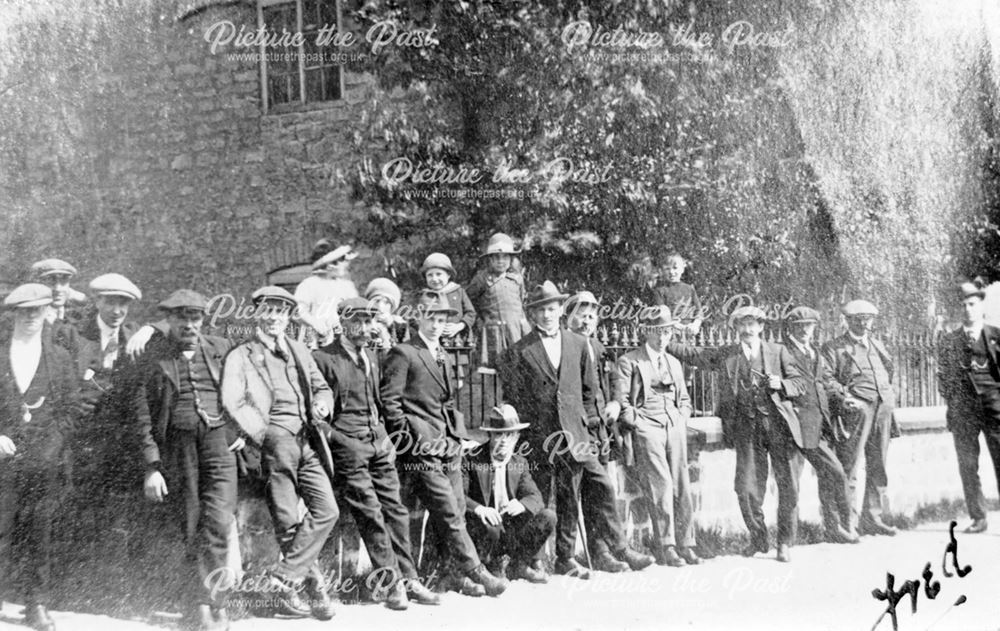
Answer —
385 296
497 293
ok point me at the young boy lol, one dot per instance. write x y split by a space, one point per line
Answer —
680 297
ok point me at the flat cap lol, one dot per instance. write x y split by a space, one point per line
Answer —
749 311
544 293
184 299
28 295
387 288
51 267
578 299
430 302
802 314
859 307
355 307
272 292
115 285
437 260
345 252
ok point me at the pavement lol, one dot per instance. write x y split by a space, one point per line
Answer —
826 586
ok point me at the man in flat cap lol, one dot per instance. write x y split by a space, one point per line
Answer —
969 382
318 295
188 446
813 410
38 392
57 274
549 376
656 408
276 394
759 380
364 460
507 515
418 403
862 365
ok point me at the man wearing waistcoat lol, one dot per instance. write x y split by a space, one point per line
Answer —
276 394
550 378
969 382
188 446
759 382
364 459
38 393
656 407
863 367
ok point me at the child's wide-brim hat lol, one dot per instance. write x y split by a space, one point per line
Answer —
500 244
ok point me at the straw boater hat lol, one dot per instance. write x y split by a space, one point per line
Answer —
503 418
345 252
500 243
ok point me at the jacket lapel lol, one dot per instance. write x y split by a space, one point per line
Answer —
732 366
535 350
429 361
210 353
645 366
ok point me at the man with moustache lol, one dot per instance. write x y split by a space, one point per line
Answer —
550 377
656 408
862 365
759 381
418 402
507 514
274 391
969 381
581 313
38 394
188 446
813 410
363 457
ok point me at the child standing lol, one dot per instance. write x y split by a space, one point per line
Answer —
679 296
497 293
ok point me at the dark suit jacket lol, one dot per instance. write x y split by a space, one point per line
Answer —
552 402
607 433
159 379
417 400
777 361
478 474
813 407
332 359
44 437
954 383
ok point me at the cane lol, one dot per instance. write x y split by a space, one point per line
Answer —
583 535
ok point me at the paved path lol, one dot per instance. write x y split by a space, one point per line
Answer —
824 587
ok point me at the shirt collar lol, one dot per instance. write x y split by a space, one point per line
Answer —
271 342
106 331
653 354
542 334
431 346
805 348
860 341
750 348
975 330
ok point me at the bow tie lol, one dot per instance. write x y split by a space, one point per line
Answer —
551 335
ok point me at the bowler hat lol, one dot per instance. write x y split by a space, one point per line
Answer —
51 267
345 252
384 287
184 299
503 418
430 302
749 311
500 243
658 317
542 294
354 307
438 260
274 293
802 314
115 285
28 295
859 307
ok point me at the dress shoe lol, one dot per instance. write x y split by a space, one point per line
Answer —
320 603
874 526
494 586
636 560
604 562
668 556
37 617
689 556
837 534
396 598
784 553
977 525
522 570
286 598
570 567
468 587
418 593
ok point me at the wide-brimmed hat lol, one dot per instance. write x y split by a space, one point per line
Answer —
500 243
28 295
578 300
51 267
386 288
542 294
437 260
431 302
503 418
658 317
115 285
802 314
345 252
859 307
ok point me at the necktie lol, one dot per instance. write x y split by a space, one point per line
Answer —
280 352
500 497
111 351
661 367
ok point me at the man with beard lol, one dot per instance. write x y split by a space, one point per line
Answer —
969 381
813 410
759 381
276 394
418 401
550 377
37 397
656 407
864 368
188 446
364 460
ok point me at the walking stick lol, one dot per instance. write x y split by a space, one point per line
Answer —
583 535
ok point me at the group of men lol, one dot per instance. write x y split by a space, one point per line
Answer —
380 434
